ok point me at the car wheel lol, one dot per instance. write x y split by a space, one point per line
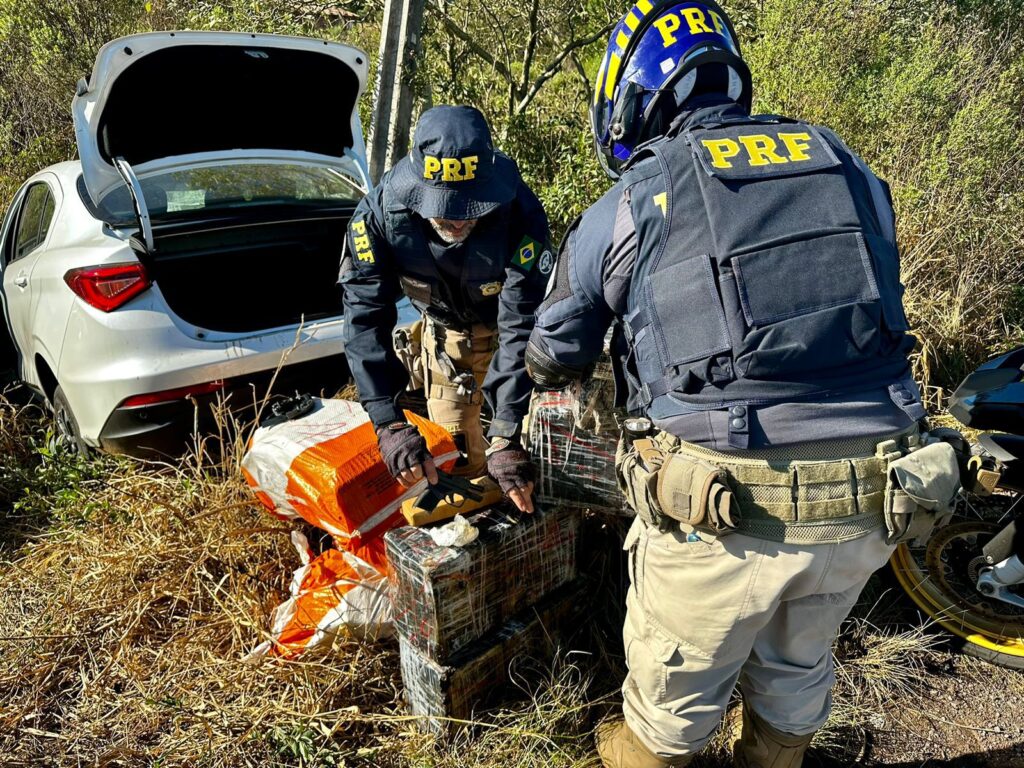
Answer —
66 426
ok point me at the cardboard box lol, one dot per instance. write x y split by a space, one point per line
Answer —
445 598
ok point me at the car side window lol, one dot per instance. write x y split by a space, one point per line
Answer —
10 229
34 220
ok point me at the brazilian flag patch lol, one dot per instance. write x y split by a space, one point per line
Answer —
526 254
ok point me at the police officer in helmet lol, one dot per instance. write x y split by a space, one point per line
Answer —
751 265
454 227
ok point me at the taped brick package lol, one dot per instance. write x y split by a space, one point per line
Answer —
445 598
572 437
325 468
446 694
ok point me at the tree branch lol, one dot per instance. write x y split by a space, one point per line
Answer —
531 49
552 69
474 46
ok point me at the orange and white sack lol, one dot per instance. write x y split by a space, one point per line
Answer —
332 593
325 467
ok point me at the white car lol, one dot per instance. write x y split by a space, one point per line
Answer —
195 242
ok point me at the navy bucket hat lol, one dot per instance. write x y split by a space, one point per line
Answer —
453 171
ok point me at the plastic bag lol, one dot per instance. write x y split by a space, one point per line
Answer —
334 592
325 467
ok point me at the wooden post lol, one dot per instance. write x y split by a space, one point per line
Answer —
410 47
400 46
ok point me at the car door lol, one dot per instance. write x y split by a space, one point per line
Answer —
8 352
22 247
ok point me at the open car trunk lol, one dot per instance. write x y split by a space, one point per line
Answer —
247 276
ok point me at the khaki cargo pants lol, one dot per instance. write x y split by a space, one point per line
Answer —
459 413
703 614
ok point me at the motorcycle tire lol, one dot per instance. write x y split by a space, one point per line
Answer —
939 578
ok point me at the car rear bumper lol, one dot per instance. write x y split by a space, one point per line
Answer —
169 429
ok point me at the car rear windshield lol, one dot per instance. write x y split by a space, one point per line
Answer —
234 186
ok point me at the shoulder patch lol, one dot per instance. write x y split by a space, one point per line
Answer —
545 263
361 242
526 253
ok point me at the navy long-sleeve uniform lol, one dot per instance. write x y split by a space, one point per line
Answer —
495 277
756 349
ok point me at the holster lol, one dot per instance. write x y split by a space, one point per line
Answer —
408 347
666 489
638 480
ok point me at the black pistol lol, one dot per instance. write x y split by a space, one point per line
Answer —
447 486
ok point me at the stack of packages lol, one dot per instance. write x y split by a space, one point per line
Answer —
463 614
324 467
572 436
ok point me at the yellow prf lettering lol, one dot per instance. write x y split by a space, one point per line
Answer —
721 150
359 227
761 149
362 243
431 165
797 144
717 21
667 24
695 19
451 169
661 200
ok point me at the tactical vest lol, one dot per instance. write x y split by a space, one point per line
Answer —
485 256
763 272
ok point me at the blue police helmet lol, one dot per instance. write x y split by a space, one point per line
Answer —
660 56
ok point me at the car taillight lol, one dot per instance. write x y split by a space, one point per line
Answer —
108 287
168 395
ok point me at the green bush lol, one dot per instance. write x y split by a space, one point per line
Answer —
929 92
931 95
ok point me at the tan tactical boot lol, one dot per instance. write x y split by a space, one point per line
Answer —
762 746
619 747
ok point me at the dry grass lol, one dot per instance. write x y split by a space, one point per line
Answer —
131 593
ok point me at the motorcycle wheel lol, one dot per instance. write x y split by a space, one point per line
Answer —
939 577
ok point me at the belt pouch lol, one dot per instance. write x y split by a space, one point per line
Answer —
695 492
920 492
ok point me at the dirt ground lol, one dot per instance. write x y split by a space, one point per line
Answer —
968 716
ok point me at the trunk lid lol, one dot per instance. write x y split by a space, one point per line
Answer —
164 99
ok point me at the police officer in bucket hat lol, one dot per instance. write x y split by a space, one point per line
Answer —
751 265
454 227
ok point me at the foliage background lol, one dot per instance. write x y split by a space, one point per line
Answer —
930 92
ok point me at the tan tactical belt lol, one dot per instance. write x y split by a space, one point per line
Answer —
812 493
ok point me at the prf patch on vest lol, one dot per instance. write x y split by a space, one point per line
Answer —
526 253
361 242
450 168
762 151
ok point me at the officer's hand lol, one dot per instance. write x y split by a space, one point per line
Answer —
510 466
405 453
523 498
410 477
